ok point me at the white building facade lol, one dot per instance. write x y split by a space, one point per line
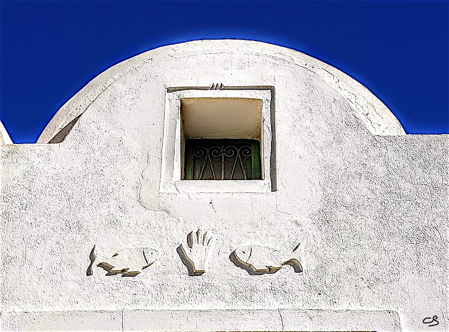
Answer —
334 220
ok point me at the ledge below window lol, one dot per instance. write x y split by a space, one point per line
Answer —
236 186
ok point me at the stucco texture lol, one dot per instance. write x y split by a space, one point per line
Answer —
367 204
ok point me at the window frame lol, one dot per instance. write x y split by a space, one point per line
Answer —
173 143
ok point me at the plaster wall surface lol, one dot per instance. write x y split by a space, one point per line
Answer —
367 204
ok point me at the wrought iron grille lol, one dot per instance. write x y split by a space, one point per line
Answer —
227 159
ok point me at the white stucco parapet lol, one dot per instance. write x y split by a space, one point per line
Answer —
375 115
345 227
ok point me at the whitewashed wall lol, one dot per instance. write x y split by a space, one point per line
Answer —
367 203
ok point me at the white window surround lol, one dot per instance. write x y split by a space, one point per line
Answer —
172 160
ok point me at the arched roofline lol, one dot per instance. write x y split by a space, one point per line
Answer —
371 110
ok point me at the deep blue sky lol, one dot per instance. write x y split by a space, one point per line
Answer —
50 50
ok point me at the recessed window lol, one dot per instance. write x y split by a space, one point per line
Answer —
218 140
221 138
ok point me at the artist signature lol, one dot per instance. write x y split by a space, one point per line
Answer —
431 321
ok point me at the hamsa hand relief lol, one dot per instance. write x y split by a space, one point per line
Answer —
195 253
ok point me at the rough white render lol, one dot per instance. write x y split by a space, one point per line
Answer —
367 204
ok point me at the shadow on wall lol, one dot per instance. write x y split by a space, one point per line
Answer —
62 134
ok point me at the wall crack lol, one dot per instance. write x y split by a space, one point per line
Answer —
282 320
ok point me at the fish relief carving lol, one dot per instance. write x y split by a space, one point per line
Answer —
256 259
195 254
127 262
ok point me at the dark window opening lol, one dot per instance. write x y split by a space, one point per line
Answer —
222 159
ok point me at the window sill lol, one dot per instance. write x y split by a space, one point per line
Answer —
219 186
